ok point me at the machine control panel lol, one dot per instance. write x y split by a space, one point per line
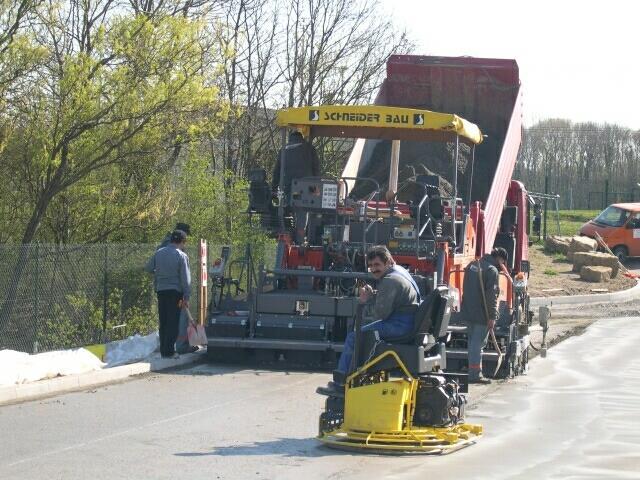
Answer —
314 193
408 247
404 232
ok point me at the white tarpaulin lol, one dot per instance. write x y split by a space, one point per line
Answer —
18 367
133 348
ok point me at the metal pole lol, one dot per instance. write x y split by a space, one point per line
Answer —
546 192
202 305
570 198
393 169
36 285
454 208
473 161
281 200
105 290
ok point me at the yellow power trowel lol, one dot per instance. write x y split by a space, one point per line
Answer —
399 400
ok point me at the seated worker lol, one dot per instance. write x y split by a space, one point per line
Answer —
300 160
395 304
480 307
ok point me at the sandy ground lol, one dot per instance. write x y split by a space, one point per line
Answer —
565 281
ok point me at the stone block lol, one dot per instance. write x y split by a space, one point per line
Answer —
582 244
580 259
557 244
595 273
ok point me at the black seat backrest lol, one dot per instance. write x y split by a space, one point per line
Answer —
425 315
259 191
435 317
423 319
442 315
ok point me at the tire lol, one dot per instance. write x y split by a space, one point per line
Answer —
621 252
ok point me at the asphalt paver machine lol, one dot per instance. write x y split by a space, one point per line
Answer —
432 187
437 191
399 399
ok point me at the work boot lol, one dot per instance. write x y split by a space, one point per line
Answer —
332 389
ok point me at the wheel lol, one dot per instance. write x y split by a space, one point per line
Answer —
621 252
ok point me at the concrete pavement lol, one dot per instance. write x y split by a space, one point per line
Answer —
574 416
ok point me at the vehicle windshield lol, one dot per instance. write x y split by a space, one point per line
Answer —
612 217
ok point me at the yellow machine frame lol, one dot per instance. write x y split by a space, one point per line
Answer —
377 121
379 417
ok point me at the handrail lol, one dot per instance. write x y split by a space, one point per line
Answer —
320 273
365 228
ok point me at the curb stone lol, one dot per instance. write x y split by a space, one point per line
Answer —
598 298
53 386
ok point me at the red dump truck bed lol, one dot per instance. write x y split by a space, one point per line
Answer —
482 90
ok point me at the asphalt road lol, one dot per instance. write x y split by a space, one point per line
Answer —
575 415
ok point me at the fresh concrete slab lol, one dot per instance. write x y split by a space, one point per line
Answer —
573 416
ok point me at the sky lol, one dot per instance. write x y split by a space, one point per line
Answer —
578 60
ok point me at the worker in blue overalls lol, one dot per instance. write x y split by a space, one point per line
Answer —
394 306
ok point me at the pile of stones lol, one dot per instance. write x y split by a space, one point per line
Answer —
592 266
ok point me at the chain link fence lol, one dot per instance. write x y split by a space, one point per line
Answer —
65 296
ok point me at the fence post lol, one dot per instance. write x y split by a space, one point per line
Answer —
36 299
570 201
202 297
105 292
546 191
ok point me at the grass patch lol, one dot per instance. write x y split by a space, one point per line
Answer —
550 271
572 220
567 223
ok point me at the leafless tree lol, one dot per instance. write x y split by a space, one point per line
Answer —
295 53
581 161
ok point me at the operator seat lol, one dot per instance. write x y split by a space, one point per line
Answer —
419 350
259 191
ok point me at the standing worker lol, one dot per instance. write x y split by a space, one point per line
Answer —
480 291
170 265
300 160
182 341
